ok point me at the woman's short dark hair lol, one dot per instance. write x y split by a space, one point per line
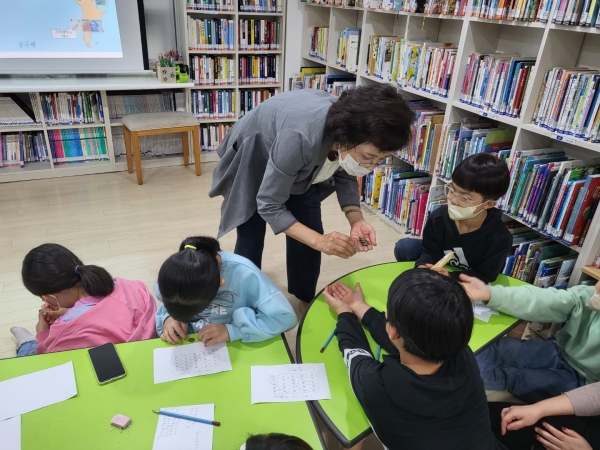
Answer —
432 313
276 441
376 114
189 280
483 173
52 268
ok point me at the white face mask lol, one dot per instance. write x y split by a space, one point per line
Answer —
461 212
351 166
594 302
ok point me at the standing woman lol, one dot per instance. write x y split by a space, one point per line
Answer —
284 157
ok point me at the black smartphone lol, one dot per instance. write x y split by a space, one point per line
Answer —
107 363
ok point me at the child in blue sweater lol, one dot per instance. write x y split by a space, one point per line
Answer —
221 296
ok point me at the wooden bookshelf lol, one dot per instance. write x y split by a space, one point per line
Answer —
553 45
591 271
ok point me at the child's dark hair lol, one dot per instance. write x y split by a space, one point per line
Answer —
483 173
189 280
377 114
276 441
52 268
432 313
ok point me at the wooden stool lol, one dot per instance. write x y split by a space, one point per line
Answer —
136 125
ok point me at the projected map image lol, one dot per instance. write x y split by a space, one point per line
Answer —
60 29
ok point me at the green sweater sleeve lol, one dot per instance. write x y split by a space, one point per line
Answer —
535 304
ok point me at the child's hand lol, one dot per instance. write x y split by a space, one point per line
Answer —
476 289
554 439
42 325
441 270
517 417
53 315
334 302
173 331
213 333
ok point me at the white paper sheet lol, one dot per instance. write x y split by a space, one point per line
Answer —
190 360
289 383
36 390
180 434
483 312
10 433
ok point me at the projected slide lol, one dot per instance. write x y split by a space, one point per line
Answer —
60 29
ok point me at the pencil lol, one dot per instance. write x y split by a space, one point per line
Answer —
378 353
328 341
442 262
193 419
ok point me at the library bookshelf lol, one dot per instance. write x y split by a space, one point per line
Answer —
552 46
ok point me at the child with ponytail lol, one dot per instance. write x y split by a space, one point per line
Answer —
84 306
221 296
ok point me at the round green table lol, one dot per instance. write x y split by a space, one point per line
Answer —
343 414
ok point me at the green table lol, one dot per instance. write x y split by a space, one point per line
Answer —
83 422
343 414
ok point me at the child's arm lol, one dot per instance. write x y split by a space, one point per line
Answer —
432 249
268 318
375 322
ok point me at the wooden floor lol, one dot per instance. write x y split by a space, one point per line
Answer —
130 230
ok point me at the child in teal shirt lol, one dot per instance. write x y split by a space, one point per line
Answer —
221 296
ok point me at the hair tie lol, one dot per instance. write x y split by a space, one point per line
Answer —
76 268
190 246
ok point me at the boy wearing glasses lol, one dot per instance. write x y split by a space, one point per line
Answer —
469 225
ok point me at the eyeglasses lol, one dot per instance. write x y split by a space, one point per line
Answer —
367 164
457 198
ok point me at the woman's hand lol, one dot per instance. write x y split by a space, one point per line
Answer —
213 333
361 231
42 325
336 244
476 289
441 270
553 439
517 417
173 331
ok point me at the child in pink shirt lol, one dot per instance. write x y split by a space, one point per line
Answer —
84 306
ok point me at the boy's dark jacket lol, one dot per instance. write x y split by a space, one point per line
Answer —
444 411
481 253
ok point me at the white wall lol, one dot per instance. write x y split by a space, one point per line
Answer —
160 27
293 40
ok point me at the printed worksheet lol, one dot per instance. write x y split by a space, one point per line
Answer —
29 392
10 432
289 383
181 434
189 360
483 312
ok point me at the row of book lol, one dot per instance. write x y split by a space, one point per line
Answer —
78 145
272 6
158 145
211 136
538 260
569 103
72 108
426 130
256 34
583 13
16 149
15 112
210 34
213 104
552 194
209 5
445 7
121 104
252 98
319 41
347 49
496 82
316 78
471 136
207 70
399 195
521 10
259 69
